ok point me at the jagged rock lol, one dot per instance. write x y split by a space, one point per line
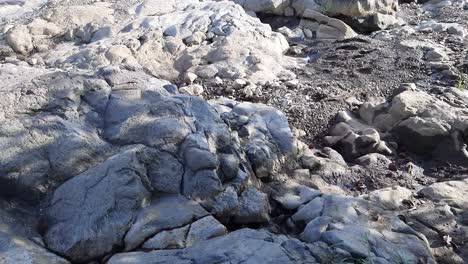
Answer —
301 195
253 207
324 27
90 214
378 14
450 192
353 138
415 119
324 162
374 160
171 46
238 246
355 225
329 7
167 212
20 39
172 239
19 242
204 229
390 198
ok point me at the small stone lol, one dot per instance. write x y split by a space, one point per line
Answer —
19 39
194 90
239 84
308 33
189 78
171 31
195 39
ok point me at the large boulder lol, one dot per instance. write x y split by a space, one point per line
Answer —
89 215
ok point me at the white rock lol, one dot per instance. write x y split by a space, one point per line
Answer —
19 39
390 198
190 77
194 89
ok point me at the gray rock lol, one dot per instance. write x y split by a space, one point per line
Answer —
172 239
165 172
16 249
90 214
225 204
451 192
204 229
19 240
166 212
375 160
390 198
202 184
244 245
253 207
171 31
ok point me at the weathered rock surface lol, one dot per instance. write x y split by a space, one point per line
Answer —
245 245
361 228
90 214
19 242
110 153
423 123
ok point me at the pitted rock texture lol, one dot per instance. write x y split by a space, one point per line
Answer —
165 39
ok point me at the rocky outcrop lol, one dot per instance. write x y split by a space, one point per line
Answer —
423 123
363 15
236 247
206 38
126 136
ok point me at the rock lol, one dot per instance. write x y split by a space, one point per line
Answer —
450 192
204 229
19 241
314 229
374 160
114 191
167 212
308 212
20 39
165 173
302 195
174 40
225 204
415 119
356 227
194 89
253 207
189 78
326 27
21 250
171 31
331 7
259 246
116 54
172 239
390 198
354 138
196 38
